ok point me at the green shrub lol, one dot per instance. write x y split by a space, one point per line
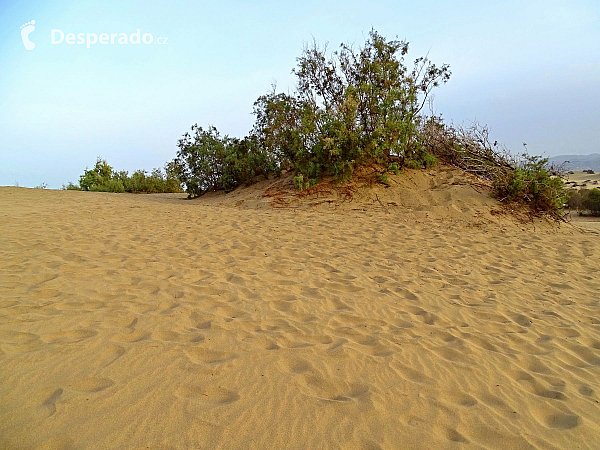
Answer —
574 199
351 107
429 160
394 168
584 200
207 161
589 171
103 178
70 187
96 176
356 107
300 183
384 179
413 164
532 182
591 201
110 185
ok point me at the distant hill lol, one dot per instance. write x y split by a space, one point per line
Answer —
579 162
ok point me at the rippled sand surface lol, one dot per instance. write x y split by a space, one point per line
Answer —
152 322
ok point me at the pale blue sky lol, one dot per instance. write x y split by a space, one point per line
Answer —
531 70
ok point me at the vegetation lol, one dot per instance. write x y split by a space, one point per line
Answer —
526 179
103 178
351 108
532 182
207 161
70 186
584 201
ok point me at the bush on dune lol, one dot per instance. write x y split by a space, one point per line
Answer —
591 201
355 107
207 161
524 178
585 201
71 187
103 178
351 108
531 181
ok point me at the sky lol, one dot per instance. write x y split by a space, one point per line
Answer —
529 70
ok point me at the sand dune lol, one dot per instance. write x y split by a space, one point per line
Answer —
582 180
153 322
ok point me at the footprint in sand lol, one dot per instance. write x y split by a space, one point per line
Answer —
135 335
295 366
521 320
109 354
68 336
174 336
47 399
411 374
427 317
586 390
461 399
217 396
456 356
562 421
531 384
335 390
17 337
201 355
91 384
455 436
263 342
229 313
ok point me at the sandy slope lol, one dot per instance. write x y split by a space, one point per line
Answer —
582 180
152 322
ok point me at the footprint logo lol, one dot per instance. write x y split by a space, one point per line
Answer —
26 29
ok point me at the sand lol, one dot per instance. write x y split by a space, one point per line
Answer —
147 321
582 180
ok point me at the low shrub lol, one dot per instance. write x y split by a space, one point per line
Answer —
421 160
70 187
591 201
300 183
575 198
527 179
533 183
384 179
429 160
103 178
207 161
109 185
394 168
412 164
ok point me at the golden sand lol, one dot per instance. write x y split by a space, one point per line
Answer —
152 322
582 180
